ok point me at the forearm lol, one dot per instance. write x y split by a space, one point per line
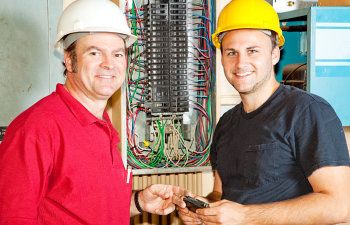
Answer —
156 199
314 208
133 209
214 196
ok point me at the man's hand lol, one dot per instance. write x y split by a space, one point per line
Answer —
188 217
223 212
161 199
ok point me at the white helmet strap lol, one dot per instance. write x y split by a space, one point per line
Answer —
71 38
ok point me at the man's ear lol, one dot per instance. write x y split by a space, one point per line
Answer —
276 54
68 62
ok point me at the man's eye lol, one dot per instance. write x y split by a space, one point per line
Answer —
231 53
252 51
93 53
117 55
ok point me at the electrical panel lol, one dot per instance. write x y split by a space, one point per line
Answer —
170 83
166 55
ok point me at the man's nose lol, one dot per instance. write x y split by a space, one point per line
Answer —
107 62
241 59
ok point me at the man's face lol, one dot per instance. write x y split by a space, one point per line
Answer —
248 60
100 66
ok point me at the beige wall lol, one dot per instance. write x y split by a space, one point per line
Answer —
347 135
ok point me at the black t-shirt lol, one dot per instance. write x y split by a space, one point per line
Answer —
266 155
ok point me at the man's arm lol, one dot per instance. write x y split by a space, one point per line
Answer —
216 194
26 161
328 204
133 210
157 199
191 218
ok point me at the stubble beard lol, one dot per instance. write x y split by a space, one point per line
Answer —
256 86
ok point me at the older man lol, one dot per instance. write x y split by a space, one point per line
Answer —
59 159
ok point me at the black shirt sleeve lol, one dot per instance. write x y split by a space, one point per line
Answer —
319 137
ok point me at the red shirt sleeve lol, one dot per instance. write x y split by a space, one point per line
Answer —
26 161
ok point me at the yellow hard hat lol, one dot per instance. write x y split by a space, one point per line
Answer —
240 14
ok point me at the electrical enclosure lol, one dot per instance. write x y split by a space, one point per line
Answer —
170 83
325 47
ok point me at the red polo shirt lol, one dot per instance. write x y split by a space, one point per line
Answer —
59 164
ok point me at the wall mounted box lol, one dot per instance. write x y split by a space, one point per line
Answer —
327 56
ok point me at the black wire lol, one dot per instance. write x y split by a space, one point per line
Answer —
293 71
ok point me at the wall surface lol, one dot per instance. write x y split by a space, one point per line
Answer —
29 68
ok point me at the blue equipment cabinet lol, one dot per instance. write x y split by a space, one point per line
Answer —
325 47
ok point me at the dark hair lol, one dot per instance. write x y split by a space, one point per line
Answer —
71 50
273 38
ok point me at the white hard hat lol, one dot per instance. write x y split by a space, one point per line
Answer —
89 16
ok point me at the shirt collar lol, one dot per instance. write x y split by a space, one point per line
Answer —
84 116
